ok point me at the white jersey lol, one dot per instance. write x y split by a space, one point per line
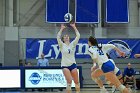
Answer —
100 56
68 51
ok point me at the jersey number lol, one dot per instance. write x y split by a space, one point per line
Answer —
100 52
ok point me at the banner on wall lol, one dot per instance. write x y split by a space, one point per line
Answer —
34 48
49 78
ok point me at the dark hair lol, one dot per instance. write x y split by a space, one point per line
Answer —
94 42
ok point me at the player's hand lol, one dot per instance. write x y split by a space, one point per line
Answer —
72 25
63 26
137 55
122 54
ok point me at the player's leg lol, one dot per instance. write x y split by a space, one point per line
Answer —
74 74
114 80
95 75
68 77
108 69
120 77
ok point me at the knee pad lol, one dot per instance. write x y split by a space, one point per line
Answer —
95 79
121 88
68 87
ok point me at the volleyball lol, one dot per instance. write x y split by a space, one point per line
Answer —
68 17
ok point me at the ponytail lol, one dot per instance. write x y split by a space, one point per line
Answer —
94 42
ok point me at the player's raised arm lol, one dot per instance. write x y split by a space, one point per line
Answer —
59 35
76 32
119 51
111 46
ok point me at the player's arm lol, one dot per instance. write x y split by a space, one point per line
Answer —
120 52
137 55
111 46
59 35
75 41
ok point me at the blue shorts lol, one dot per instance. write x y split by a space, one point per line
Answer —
118 73
108 67
73 66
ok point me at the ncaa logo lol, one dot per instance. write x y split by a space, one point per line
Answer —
35 78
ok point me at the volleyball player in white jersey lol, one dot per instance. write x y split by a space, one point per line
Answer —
68 62
106 67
